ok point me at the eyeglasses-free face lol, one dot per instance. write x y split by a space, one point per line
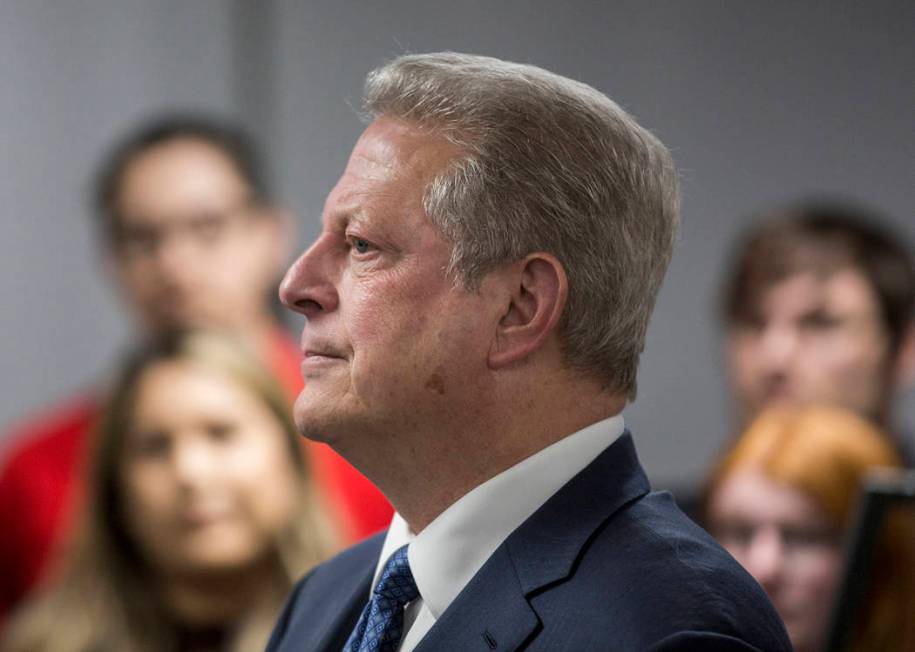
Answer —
785 541
189 247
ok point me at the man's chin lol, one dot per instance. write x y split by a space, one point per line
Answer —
308 427
311 420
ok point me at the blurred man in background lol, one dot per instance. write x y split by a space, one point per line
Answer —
191 240
818 308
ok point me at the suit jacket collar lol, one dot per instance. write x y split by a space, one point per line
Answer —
334 635
336 594
547 545
540 552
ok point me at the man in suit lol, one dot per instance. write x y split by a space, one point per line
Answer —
475 307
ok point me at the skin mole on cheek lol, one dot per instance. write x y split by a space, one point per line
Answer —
436 384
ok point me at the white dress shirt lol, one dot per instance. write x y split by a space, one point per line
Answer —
446 555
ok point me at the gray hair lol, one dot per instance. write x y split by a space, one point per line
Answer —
550 165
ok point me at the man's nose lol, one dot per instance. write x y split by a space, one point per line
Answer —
175 258
308 287
780 345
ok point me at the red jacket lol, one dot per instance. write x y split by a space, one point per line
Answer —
40 483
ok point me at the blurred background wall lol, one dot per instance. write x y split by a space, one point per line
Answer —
759 102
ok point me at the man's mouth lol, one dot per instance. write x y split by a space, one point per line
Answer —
317 356
317 350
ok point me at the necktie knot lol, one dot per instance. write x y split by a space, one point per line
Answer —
396 581
380 626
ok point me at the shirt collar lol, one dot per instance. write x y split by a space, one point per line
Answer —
446 555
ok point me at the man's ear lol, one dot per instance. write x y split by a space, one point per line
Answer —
538 292
905 359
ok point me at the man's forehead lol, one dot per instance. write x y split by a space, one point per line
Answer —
846 286
390 146
179 177
173 159
392 162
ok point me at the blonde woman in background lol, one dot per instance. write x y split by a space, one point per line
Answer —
780 503
199 516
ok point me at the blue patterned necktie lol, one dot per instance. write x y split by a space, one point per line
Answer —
381 624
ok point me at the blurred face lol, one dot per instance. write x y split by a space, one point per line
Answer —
785 541
206 472
391 343
813 340
192 250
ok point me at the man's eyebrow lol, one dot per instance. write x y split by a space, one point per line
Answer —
344 217
339 219
357 218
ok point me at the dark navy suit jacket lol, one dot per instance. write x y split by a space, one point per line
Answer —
604 564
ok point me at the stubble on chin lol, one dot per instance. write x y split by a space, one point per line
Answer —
322 418
308 421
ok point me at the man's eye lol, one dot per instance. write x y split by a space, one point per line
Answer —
820 321
753 323
360 245
207 230
138 240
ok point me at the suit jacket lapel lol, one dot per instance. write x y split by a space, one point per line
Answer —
547 545
332 637
335 599
493 612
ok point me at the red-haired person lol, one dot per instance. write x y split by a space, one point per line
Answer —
780 501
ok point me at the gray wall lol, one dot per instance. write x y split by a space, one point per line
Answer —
759 102
71 76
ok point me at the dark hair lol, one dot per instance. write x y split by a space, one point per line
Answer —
823 237
230 139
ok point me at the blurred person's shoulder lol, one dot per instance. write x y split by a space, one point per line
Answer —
39 473
49 436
